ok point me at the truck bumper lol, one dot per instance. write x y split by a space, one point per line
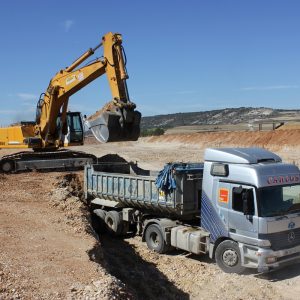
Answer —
265 259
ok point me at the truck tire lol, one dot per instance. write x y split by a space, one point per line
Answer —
114 222
98 220
228 257
7 166
155 239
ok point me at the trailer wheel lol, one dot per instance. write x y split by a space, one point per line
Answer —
228 257
7 166
114 222
155 240
98 220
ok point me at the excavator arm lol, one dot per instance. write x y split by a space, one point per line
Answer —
116 121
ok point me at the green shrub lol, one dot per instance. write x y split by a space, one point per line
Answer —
152 131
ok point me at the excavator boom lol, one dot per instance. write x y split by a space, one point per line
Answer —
116 121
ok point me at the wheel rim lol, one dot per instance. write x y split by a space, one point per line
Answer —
6 166
154 239
230 257
110 222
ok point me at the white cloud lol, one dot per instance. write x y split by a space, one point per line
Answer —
28 104
161 94
27 96
81 108
7 111
149 110
271 87
9 116
68 24
187 92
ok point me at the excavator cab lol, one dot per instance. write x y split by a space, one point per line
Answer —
72 134
75 134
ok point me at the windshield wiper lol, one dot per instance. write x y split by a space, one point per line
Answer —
275 213
294 210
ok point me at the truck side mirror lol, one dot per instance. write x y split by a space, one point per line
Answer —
248 202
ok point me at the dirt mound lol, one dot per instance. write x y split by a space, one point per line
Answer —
112 158
46 239
114 289
67 195
234 139
291 125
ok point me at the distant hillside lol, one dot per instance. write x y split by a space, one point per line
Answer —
221 116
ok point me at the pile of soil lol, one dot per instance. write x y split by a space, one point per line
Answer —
67 195
48 247
266 139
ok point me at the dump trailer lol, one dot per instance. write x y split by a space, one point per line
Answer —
241 207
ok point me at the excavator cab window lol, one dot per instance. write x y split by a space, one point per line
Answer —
75 127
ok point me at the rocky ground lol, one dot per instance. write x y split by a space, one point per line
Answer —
48 249
45 241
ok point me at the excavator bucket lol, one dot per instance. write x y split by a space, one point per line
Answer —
115 125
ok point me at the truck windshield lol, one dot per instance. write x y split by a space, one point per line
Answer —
278 200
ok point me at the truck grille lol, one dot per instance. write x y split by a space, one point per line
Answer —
282 240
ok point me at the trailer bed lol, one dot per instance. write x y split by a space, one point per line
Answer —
122 187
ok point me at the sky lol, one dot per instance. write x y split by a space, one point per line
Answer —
182 56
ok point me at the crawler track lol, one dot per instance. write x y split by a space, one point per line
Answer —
54 160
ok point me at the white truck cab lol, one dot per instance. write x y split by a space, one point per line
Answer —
250 199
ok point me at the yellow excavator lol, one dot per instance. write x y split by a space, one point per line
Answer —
55 127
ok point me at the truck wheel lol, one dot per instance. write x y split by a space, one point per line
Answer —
228 257
98 220
155 240
7 166
113 221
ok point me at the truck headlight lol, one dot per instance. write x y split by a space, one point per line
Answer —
271 259
264 243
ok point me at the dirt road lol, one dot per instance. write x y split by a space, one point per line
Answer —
48 249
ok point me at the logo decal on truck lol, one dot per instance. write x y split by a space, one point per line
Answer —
284 179
291 236
223 195
291 225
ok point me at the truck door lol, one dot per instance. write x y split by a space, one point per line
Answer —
241 225
223 199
